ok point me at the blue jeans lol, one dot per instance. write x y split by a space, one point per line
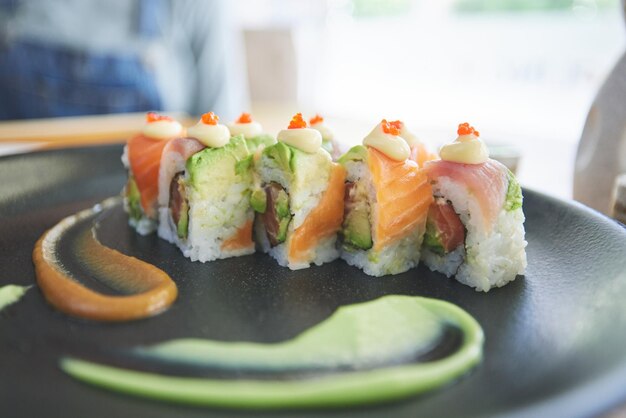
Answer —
39 80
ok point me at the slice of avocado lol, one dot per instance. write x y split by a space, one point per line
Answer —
258 200
281 207
282 204
237 147
182 229
514 197
281 154
356 153
357 229
178 205
212 168
277 215
134 199
432 239
284 214
242 166
256 142
283 226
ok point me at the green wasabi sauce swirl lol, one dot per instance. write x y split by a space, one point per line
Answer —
370 338
10 294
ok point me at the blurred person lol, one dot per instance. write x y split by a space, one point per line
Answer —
77 57
601 156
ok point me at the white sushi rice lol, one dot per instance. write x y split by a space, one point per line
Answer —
305 188
143 226
124 158
167 229
221 221
325 252
447 264
214 216
211 222
395 258
493 255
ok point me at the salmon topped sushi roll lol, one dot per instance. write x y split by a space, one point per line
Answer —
204 193
475 228
142 158
252 131
387 197
300 198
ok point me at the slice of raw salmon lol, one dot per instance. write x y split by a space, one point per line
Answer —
241 239
324 220
487 181
175 155
447 223
403 196
144 157
420 154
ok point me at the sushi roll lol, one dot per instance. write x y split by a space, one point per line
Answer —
387 198
299 199
142 159
328 137
252 131
419 152
204 193
475 227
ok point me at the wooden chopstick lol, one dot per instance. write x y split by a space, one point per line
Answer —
77 130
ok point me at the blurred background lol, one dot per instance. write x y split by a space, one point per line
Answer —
524 72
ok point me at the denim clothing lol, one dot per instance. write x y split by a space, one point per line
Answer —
38 80
72 57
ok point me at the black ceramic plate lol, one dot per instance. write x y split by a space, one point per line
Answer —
555 339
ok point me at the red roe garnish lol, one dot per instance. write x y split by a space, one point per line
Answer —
467 129
210 118
390 128
316 119
155 117
245 118
398 124
297 122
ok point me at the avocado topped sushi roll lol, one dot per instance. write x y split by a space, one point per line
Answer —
252 131
205 186
475 227
328 136
142 158
387 198
299 200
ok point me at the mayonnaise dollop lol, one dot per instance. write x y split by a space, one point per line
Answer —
248 130
213 136
162 129
466 149
324 130
409 136
393 146
305 139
